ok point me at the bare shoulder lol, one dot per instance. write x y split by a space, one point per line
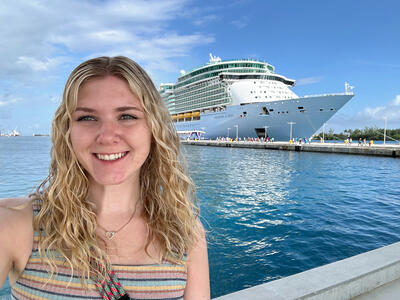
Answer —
16 216
16 235
198 281
15 203
15 219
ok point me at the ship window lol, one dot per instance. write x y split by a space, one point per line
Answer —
331 109
321 109
271 109
300 107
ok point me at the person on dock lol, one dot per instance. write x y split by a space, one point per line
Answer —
116 218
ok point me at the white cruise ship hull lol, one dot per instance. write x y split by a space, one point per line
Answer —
307 113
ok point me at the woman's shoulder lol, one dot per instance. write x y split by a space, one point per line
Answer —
15 219
15 216
16 203
198 282
16 232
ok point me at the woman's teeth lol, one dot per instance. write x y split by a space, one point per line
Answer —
113 156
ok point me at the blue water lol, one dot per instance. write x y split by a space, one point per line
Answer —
269 214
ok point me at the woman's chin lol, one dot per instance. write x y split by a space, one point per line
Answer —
107 180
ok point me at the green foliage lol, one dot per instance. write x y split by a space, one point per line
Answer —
369 133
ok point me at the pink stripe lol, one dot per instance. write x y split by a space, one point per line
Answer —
149 275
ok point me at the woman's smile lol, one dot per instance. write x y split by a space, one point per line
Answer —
111 156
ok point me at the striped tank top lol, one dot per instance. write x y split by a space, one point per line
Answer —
154 281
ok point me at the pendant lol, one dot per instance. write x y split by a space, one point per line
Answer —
110 234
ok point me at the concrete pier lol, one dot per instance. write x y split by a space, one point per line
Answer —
374 275
388 150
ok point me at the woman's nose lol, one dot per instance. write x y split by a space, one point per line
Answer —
109 133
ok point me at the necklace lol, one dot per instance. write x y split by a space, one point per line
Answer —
111 233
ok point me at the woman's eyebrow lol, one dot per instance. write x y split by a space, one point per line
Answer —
85 109
125 108
120 109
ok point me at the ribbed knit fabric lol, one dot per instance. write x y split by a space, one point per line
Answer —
156 281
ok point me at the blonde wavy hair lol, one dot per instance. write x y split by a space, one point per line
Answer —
66 222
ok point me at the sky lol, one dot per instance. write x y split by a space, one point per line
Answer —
320 44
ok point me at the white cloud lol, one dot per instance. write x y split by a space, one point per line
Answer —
141 10
7 100
377 63
396 101
308 80
38 65
241 22
55 99
41 35
157 52
204 20
112 36
368 117
391 112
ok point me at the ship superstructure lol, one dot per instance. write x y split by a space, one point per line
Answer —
245 98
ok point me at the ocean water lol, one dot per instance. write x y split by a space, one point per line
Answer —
268 214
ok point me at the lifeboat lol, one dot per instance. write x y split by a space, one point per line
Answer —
174 117
196 114
188 115
181 116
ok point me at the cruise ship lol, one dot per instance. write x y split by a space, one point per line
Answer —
244 98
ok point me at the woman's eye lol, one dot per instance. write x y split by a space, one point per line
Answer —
128 117
86 118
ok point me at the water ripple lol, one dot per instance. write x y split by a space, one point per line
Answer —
273 213
268 214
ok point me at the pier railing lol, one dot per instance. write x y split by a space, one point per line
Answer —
388 150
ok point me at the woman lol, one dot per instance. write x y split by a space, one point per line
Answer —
115 217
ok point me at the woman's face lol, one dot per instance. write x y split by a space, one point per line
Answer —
109 131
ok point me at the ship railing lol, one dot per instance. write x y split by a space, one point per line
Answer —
324 95
224 61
